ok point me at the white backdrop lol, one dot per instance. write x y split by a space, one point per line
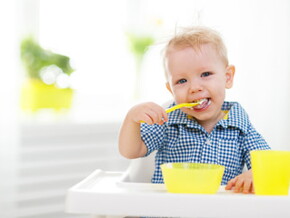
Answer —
8 107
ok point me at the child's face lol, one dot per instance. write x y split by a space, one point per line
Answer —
199 74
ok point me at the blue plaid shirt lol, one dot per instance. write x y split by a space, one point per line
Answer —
182 139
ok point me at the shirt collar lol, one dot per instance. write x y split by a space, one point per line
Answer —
235 117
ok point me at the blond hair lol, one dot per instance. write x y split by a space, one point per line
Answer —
195 37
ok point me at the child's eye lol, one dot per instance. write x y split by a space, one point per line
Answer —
205 74
181 81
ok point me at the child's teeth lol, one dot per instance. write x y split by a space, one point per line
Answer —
198 102
201 101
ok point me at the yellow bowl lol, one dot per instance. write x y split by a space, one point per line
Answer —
197 178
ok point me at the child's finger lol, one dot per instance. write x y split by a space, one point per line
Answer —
161 121
158 115
238 186
153 117
252 189
155 114
247 187
231 184
164 116
160 118
146 119
164 119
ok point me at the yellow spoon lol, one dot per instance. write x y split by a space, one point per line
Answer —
188 105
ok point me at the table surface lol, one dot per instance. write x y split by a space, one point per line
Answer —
107 193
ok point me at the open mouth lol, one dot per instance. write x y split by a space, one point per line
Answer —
203 103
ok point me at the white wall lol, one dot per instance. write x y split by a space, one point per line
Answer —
8 107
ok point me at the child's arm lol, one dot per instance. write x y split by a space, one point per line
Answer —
242 183
130 142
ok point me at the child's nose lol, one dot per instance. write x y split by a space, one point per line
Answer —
195 86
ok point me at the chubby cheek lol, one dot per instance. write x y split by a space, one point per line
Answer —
219 96
179 96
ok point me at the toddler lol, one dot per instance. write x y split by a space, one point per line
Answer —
215 131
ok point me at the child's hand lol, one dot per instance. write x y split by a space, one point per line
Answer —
149 113
242 183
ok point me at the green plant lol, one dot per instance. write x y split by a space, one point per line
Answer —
139 44
35 58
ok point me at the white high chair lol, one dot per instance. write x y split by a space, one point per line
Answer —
140 170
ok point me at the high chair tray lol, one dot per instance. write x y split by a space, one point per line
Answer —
108 193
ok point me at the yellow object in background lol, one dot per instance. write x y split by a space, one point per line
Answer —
197 178
271 172
37 95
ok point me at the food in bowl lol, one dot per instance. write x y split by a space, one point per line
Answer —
197 178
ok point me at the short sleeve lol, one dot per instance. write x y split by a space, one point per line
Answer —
253 141
152 136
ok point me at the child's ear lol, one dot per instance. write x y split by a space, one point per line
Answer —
230 73
168 87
